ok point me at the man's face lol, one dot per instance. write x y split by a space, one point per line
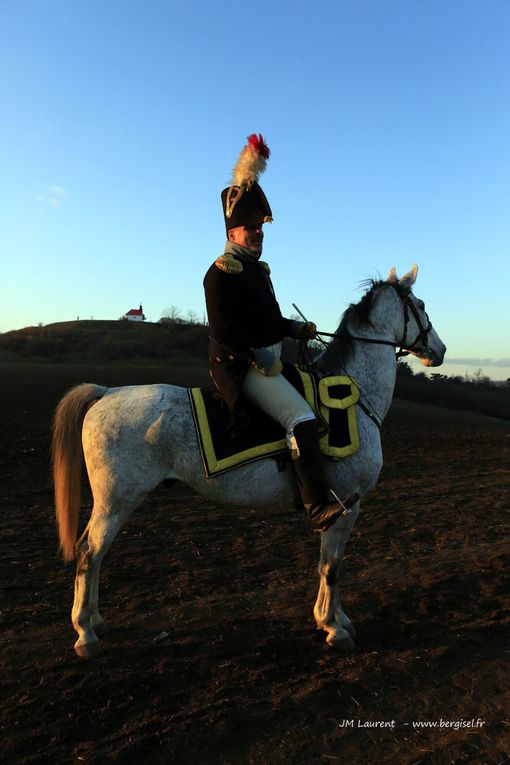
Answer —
251 237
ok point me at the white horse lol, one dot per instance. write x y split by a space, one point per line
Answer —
135 437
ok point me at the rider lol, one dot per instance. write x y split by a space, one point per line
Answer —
247 330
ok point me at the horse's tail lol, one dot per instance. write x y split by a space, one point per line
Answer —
67 460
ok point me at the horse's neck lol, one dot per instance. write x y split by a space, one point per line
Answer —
373 367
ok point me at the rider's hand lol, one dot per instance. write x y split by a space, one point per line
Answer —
304 330
266 362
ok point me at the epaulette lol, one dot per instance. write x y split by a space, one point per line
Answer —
265 266
229 264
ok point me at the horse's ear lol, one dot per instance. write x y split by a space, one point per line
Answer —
409 279
392 276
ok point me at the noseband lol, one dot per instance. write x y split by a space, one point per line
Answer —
424 332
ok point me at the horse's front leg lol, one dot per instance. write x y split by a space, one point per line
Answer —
328 611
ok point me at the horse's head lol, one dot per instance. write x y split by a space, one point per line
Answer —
387 314
417 335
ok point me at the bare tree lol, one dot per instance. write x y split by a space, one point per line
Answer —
171 315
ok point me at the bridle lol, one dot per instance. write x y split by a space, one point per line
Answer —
405 349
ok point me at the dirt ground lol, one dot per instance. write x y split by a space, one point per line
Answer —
212 655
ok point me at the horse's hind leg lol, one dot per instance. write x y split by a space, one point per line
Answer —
328 611
96 620
90 551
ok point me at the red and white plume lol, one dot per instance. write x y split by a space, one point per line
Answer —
252 161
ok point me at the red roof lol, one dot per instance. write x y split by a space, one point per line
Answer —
135 312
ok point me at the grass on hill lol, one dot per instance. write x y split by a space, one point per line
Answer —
100 342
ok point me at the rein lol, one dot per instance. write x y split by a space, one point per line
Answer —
405 349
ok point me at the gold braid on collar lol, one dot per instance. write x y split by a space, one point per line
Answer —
229 264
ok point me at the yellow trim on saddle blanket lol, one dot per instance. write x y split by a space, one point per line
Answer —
212 465
317 395
327 403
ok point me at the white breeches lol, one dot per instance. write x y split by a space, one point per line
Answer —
277 398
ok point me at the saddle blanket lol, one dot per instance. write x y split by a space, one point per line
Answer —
333 399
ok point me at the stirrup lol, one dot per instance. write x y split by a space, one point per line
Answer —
325 514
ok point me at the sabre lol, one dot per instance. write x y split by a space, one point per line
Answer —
299 312
305 319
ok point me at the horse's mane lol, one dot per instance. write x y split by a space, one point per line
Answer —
356 316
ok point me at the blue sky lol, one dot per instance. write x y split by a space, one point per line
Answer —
388 122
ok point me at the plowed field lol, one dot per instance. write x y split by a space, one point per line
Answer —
212 654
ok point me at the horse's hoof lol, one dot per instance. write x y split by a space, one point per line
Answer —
341 643
101 628
350 629
87 650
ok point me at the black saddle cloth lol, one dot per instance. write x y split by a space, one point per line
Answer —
224 448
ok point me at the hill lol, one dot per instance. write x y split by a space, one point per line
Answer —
107 341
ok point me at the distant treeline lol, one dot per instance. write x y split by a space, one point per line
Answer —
476 394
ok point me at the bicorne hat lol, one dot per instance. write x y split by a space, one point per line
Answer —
244 202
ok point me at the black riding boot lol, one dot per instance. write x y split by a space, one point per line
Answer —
308 464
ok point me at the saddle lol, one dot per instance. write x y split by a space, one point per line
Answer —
333 399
